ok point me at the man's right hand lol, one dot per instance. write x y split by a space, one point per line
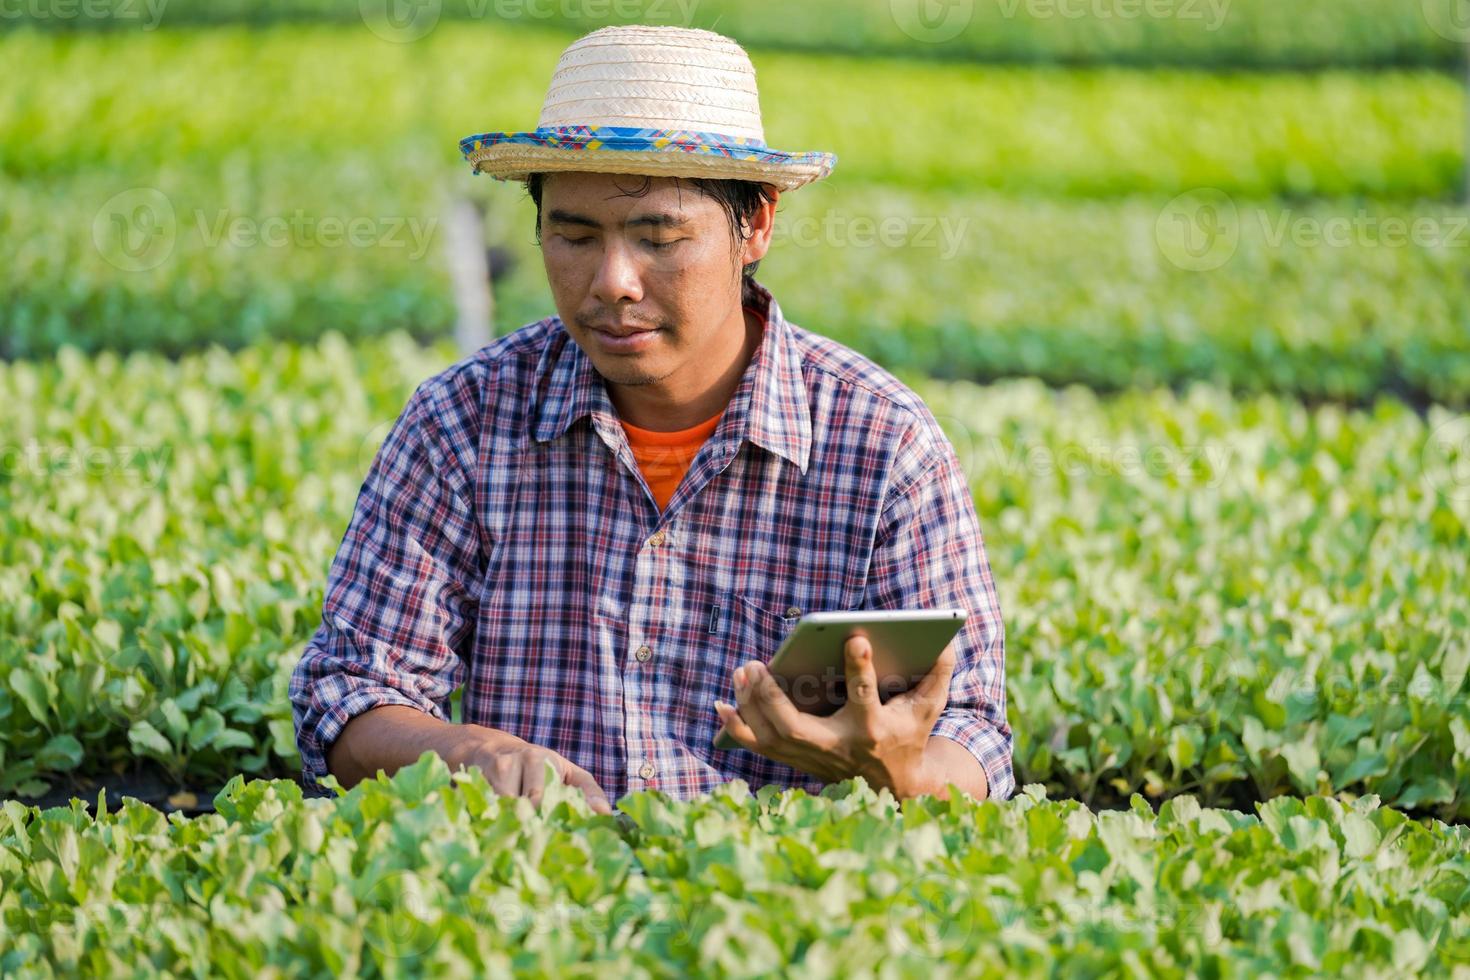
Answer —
515 767
395 735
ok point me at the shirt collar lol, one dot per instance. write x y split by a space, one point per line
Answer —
769 406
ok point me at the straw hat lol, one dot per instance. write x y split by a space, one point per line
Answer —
665 101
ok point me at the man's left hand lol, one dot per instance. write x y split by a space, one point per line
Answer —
883 743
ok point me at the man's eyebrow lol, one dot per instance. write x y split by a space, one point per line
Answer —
654 219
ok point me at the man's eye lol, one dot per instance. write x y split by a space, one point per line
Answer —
577 241
661 246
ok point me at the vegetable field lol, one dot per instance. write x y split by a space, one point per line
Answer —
431 873
1188 290
1233 598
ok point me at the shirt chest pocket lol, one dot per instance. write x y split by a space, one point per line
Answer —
756 630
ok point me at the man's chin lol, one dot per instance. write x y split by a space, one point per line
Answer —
626 372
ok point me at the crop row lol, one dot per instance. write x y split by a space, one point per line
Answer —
1189 33
1327 300
432 873
1336 300
1233 598
133 104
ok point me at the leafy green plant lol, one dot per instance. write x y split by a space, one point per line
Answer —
431 872
164 529
1234 598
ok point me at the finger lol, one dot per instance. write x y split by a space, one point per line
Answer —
750 705
533 778
931 694
786 720
862 679
735 726
504 774
575 775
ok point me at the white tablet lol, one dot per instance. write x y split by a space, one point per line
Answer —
810 667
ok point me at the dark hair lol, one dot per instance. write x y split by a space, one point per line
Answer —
740 199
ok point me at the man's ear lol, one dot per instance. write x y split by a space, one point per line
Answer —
762 228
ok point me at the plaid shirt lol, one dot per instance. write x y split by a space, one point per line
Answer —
505 539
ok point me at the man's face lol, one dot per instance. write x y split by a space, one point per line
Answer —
648 286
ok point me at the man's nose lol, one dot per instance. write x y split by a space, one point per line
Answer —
617 280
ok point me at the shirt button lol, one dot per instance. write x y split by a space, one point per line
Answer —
646 770
793 611
644 654
656 540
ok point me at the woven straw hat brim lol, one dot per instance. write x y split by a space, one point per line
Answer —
517 161
661 101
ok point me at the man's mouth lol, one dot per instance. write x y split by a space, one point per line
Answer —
625 339
620 330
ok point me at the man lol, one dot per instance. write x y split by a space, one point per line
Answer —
604 524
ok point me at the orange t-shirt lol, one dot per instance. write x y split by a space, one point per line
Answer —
664 457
